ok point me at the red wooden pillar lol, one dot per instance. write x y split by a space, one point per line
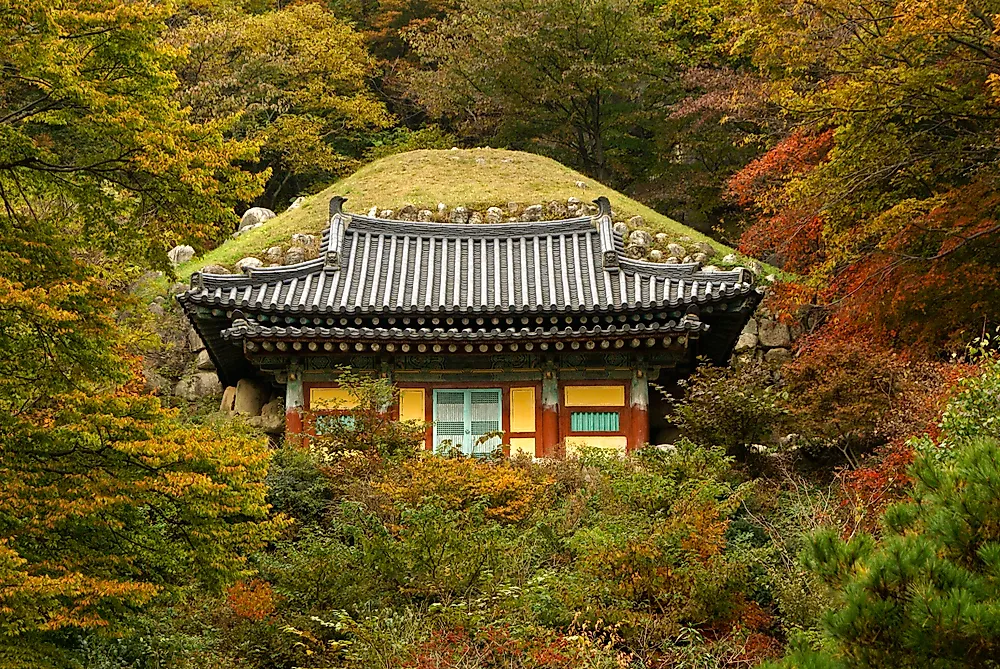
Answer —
294 401
639 407
550 413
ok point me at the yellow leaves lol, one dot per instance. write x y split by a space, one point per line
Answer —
112 481
509 494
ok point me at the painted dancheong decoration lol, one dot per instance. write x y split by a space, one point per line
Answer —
545 332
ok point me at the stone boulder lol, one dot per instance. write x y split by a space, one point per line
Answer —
640 238
204 362
214 269
556 209
228 400
730 259
656 255
704 247
194 342
408 212
373 212
581 184
180 254
676 250
636 251
637 221
197 386
308 241
250 397
297 202
255 216
661 238
494 215
773 334
272 417
274 255
475 218
532 213
386 213
700 258
294 255
620 228
778 356
249 263
746 342
459 215
425 215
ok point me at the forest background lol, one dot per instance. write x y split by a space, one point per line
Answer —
853 144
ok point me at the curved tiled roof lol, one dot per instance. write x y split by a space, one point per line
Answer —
375 266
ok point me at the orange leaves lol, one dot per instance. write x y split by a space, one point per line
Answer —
759 182
253 600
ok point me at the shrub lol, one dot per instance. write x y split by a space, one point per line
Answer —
850 391
733 407
297 486
252 600
432 554
368 427
505 493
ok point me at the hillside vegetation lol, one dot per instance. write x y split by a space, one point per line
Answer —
474 178
831 499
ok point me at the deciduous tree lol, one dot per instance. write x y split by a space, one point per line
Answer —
570 77
294 79
885 195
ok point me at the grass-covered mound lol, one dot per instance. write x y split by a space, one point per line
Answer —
474 178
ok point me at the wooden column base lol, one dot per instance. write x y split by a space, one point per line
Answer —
640 427
550 432
293 421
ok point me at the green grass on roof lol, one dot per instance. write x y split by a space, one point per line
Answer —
474 178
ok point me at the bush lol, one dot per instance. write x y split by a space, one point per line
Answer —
848 391
367 428
505 493
296 485
733 407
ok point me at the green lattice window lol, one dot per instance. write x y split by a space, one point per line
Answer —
325 422
594 421
464 417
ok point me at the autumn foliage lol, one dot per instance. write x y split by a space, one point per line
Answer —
882 199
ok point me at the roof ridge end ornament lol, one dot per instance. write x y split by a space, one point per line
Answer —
609 255
335 243
603 206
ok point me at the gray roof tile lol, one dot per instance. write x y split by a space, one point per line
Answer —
373 266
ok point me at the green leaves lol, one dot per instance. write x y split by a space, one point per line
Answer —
294 80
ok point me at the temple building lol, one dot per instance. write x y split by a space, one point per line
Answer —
546 331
